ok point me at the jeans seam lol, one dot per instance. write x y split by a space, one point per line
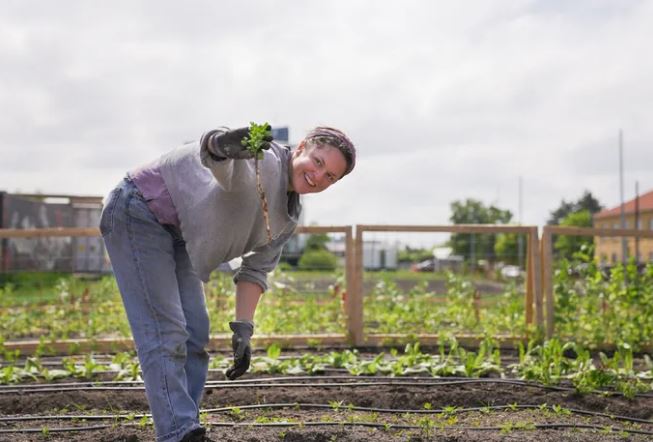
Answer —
146 292
110 209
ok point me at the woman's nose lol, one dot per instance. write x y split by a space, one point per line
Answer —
320 175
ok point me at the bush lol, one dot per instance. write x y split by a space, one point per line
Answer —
317 260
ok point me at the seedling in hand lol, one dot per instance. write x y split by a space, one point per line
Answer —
255 143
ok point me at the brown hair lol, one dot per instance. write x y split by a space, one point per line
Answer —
323 135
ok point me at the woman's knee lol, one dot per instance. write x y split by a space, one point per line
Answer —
199 334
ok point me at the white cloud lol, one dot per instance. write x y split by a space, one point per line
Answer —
444 100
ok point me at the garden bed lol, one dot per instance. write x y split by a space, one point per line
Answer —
331 405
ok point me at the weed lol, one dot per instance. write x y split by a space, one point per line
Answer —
254 143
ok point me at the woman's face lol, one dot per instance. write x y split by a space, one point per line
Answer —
313 169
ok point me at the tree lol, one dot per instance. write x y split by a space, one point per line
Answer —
412 255
585 202
316 255
322 260
317 242
506 248
476 246
567 245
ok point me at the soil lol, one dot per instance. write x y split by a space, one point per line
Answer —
505 424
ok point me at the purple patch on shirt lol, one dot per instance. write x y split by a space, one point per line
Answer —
150 183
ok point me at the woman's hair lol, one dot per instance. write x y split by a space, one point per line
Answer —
323 135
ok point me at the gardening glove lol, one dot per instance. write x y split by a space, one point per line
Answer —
229 144
243 331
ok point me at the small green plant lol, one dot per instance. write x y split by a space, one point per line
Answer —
507 428
237 413
336 405
255 143
561 411
426 425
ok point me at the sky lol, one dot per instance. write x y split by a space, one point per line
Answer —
444 100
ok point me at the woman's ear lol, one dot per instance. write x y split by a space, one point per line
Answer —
300 148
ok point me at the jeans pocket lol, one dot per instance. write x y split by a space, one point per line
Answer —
106 219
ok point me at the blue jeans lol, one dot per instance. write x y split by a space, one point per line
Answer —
166 309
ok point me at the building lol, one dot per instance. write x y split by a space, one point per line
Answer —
609 249
380 255
64 254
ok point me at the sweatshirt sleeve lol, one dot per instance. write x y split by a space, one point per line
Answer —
257 264
223 169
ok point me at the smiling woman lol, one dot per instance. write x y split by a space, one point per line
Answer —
322 158
168 224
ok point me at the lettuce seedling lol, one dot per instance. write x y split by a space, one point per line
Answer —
254 144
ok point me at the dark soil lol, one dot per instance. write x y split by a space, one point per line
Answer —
508 425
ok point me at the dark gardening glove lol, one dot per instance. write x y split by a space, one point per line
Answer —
230 144
243 331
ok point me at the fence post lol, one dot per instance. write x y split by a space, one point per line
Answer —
547 283
350 275
355 304
535 256
530 279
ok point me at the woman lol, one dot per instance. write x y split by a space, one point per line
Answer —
167 225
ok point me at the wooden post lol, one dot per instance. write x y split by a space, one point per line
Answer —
529 279
356 332
534 254
547 281
350 274
50 231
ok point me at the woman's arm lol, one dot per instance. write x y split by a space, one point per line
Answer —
247 297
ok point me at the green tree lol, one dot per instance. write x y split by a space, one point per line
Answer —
585 202
317 242
475 246
567 245
412 255
506 248
322 260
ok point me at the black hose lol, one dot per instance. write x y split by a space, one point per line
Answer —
307 406
347 424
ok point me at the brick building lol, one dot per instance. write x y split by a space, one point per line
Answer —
609 249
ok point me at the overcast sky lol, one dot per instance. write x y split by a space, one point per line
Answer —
444 100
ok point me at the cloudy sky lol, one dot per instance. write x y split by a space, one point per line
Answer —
445 100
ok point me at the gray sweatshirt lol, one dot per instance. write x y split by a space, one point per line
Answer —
220 212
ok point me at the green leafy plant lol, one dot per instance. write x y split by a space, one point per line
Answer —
254 143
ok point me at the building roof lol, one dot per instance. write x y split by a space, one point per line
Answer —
645 204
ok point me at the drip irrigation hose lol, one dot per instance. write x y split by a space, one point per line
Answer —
396 381
308 406
547 426
426 380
